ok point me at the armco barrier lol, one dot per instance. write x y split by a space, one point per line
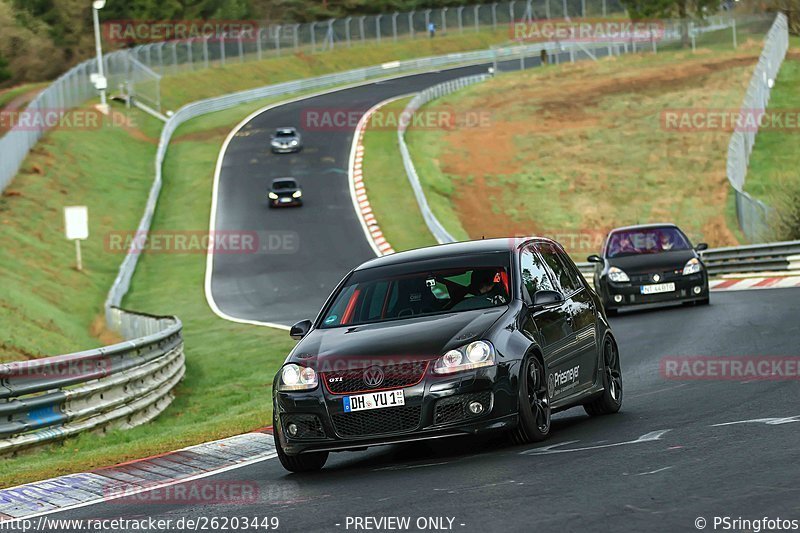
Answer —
770 257
122 385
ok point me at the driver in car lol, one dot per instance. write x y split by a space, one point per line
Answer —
487 283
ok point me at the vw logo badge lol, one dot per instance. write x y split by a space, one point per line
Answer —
373 376
656 278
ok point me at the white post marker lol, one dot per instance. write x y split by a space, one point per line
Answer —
76 226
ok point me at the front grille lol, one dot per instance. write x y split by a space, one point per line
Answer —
454 408
394 377
377 422
665 276
309 426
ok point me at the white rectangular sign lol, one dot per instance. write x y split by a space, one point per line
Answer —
76 222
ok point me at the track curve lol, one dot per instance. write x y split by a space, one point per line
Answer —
325 236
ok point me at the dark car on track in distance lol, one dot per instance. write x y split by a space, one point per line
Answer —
649 264
285 192
286 140
449 340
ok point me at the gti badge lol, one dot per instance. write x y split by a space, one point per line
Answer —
373 376
656 277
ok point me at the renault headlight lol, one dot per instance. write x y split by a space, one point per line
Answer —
474 355
296 377
693 266
297 194
617 275
273 196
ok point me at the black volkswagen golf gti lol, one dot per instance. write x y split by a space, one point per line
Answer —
443 341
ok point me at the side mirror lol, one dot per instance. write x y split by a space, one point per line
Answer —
545 297
300 330
701 246
595 259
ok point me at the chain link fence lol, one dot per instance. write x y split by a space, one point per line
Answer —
754 216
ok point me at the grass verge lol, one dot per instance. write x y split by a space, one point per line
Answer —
573 150
775 158
392 198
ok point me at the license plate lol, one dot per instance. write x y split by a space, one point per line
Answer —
286 200
658 288
373 400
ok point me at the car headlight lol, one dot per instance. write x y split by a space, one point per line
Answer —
276 142
273 196
474 355
693 266
297 194
617 275
296 377
294 142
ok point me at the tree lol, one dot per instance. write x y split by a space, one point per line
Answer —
5 73
680 9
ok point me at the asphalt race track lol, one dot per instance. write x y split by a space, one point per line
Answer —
661 483
317 244
680 450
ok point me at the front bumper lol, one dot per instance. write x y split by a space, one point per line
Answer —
631 294
293 202
285 149
433 409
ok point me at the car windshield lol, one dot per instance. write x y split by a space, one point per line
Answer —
284 133
284 184
384 294
646 241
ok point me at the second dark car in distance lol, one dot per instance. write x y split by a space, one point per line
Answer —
285 192
649 264
448 340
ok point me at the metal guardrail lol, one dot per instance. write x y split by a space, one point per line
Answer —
122 385
775 256
754 215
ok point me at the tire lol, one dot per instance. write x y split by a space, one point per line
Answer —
306 462
534 404
611 400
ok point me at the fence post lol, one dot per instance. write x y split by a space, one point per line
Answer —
296 38
278 32
444 20
241 49
313 37
222 49
160 50
427 19
189 55
733 26
494 16
511 15
411 23
361 28
175 56
460 12
378 27
258 43
605 12
329 38
529 11
205 51
394 25
347 30
564 7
